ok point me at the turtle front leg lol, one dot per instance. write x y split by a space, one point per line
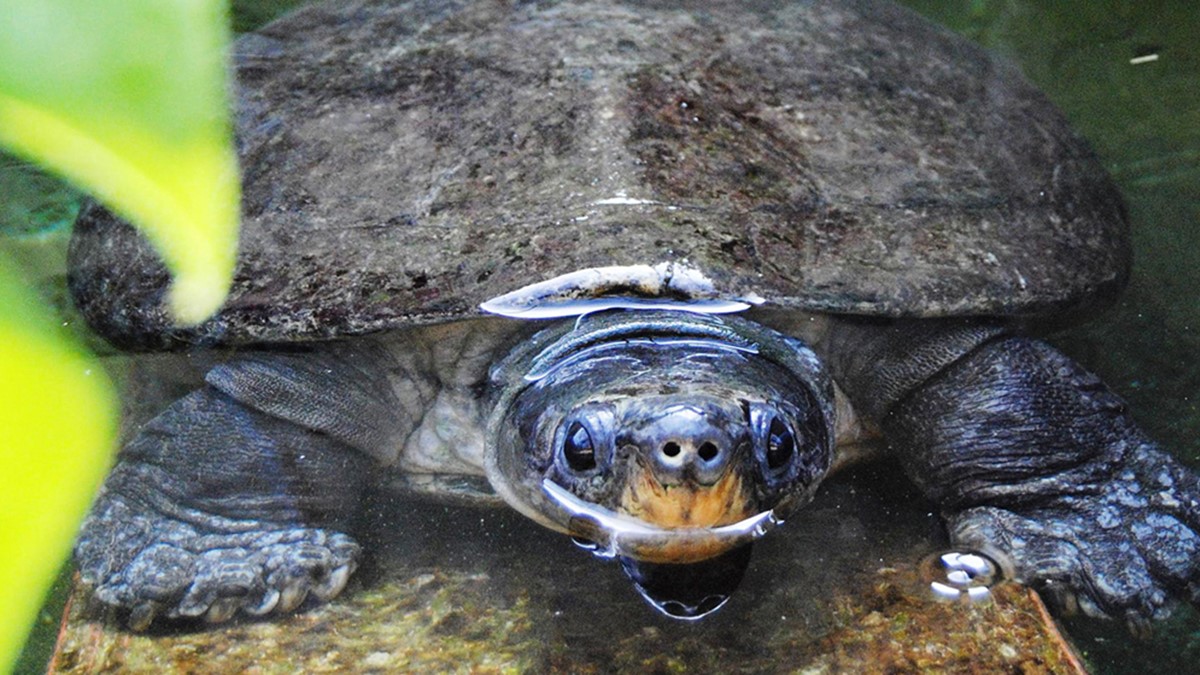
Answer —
1034 459
217 506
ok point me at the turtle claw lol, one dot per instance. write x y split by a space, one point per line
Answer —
160 567
141 616
1112 551
222 610
333 584
191 606
1089 607
291 596
1059 596
1193 593
268 603
1139 626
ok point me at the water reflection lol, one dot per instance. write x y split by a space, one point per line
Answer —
693 591
961 576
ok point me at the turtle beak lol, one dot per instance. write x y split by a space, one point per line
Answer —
685 504
683 472
609 534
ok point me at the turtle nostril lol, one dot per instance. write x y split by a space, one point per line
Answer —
670 449
708 452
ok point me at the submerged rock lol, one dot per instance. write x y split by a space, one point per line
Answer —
480 591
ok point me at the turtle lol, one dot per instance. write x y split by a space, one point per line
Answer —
647 273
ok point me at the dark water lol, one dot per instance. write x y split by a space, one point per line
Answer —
1144 121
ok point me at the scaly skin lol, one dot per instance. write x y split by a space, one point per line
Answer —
214 508
1124 549
171 568
1034 460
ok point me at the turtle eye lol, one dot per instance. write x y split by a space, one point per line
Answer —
578 449
583 442
775 440
781 445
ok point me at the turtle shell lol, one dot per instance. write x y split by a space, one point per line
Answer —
405 162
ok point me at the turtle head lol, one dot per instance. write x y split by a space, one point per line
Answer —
665 438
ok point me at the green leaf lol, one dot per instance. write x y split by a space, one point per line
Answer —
128 99
57 429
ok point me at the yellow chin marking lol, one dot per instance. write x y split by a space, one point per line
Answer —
681 506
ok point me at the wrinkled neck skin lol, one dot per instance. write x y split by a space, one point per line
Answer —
661 437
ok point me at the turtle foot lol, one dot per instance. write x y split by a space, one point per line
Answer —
1124 551
152 565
